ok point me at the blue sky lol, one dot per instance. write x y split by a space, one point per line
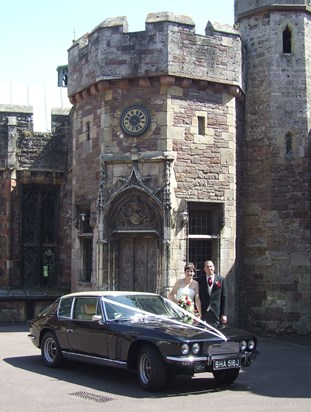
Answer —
36 34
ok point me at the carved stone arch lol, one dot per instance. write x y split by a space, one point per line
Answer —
134 209
135 228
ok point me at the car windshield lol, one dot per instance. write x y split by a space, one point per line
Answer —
129 306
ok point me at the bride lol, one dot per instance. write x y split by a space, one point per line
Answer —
187 286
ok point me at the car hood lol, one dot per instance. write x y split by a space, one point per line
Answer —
179 330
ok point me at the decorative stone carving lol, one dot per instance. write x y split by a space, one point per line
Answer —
135 212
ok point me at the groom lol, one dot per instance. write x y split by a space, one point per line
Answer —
213 295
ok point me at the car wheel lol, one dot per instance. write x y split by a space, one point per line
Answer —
226 375
50 350
152 370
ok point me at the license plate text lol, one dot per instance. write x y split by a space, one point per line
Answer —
227 363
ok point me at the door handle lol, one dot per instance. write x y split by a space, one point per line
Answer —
69 330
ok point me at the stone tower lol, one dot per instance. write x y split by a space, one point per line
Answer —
275 164
154 152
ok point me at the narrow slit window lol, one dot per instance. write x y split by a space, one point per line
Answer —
287 40
288 143
88 130
87 251
201 125
62 76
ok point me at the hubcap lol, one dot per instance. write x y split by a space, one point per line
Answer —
145 368
50 350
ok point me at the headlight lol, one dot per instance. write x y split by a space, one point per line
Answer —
184 349
195 348
251 344
243 345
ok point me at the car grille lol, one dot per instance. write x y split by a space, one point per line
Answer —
223 348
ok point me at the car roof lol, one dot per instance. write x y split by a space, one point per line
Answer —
100 293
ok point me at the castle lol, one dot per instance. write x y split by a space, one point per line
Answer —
178 147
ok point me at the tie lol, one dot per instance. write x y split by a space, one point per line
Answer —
209 281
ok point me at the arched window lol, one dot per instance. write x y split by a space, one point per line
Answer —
287 40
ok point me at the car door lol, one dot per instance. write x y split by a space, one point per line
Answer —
85 335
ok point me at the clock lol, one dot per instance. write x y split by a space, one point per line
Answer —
135 121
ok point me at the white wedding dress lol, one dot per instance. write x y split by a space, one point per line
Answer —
185 291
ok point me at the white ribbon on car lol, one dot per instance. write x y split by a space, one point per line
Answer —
212 330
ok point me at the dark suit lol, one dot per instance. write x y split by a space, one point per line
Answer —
217 301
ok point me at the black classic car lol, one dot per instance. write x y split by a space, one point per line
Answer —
141 332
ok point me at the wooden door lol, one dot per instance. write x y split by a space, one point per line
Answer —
138 264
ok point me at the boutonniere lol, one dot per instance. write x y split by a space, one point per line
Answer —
218 284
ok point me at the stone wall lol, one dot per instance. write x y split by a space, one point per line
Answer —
35 159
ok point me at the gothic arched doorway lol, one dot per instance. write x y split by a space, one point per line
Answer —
135 233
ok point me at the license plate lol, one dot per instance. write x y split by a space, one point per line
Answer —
227 363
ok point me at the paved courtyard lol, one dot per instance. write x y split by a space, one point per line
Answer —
278 380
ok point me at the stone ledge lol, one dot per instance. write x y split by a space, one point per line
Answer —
30 294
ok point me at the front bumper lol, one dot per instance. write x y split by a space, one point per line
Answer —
196 364
33 335
33 339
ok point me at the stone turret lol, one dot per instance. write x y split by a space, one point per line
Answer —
275 212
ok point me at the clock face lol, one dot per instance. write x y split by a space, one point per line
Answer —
135 121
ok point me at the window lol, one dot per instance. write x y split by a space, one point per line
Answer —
48 264
287 40
288 143
200 250
87 252
201 125
86 244
88 130
86 308
62 76
64 309
38 235
205 224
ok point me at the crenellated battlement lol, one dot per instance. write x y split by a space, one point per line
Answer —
21 148
169 46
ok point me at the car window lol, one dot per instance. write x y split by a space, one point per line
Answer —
64 309
126 305
52 308
86 307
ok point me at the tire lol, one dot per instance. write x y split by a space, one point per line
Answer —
226 376
152 371
50 351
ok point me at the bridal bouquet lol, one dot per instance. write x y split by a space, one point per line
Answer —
186 303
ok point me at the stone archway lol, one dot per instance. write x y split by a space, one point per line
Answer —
135 229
